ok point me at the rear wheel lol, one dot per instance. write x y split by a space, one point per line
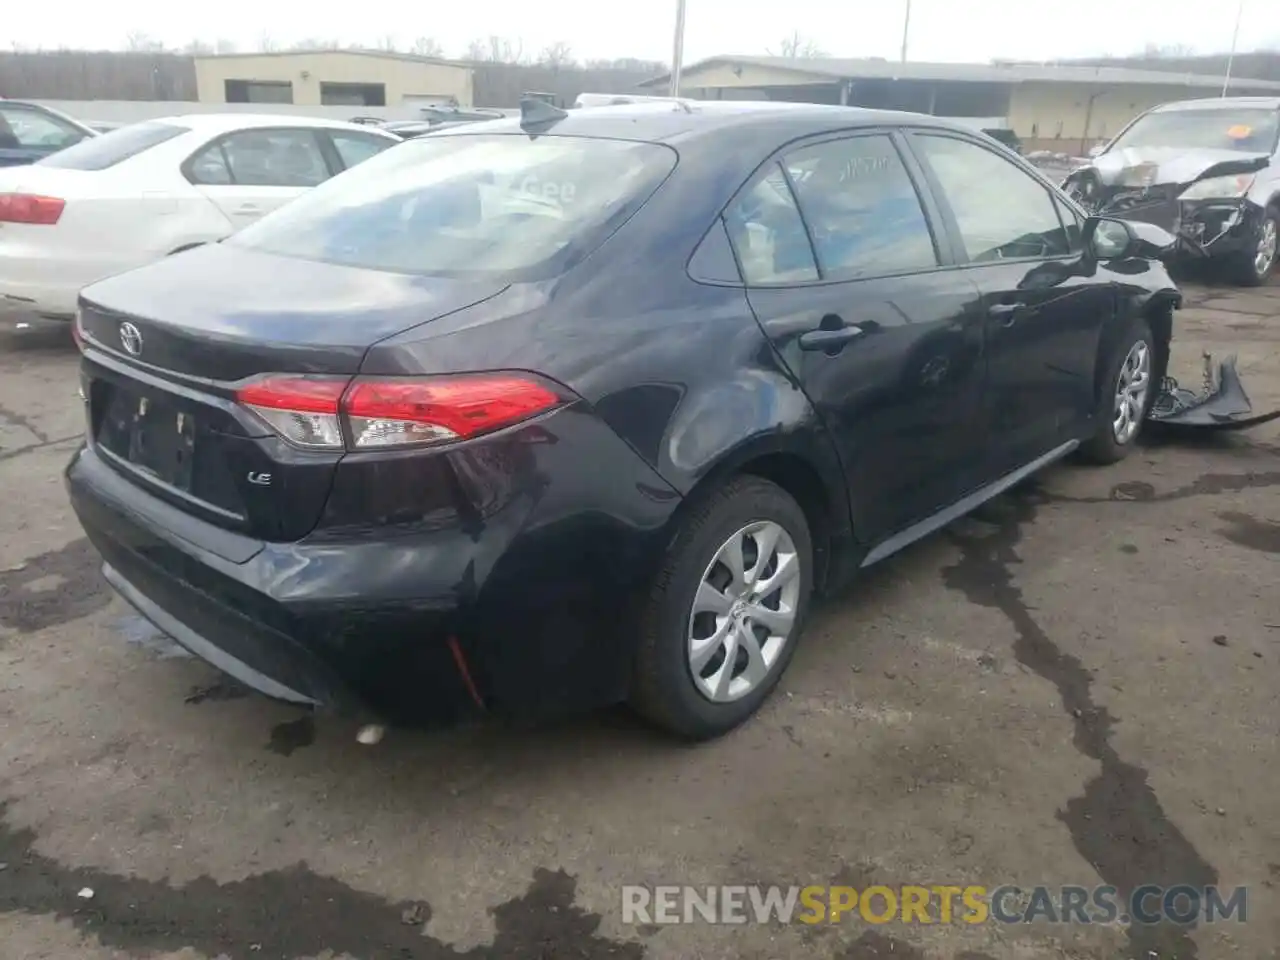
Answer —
722 620
1125 395
1252 267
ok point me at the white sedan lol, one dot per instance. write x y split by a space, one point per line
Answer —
141 192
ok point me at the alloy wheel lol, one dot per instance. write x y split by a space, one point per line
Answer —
1132 386
744 611
1268 242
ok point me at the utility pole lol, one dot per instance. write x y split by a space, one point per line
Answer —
677 54
1235 39
906 29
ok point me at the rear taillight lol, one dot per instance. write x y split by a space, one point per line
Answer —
312 412
303 410
30 208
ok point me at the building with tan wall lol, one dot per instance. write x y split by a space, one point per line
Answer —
1050 107
332 77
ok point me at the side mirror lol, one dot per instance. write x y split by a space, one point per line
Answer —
1106 238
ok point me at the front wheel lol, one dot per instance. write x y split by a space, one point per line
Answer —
1252 267
1126 393
722 620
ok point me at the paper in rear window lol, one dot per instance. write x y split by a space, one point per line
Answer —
99 153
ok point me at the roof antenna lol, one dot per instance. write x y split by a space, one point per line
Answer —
537 112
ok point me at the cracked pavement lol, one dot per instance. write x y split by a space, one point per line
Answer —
1075 686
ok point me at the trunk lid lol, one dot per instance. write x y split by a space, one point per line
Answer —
167 344
223 313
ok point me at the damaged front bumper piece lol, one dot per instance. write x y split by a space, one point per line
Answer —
1222 404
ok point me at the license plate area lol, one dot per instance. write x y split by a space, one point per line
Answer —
151 435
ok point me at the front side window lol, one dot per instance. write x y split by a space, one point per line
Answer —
469 205
1002 212
861 207
768 234
356 148
1073 223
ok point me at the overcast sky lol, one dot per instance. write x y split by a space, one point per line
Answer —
944 30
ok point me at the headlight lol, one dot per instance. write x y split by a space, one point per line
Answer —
1219 188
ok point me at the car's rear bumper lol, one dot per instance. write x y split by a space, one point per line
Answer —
249 620
518 615
50 300
42 280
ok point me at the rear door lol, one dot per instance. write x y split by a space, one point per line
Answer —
249 173
1045 307
851 281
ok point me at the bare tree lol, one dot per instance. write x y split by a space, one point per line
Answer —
138 42
314 43
198 48
427 47
387 43
224 46
495 49
1154 51
795 46
556 56
267 43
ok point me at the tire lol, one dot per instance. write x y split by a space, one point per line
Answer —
1108 445
1244 268
665 690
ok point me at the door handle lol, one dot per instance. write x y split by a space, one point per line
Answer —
248 208
1006 313
830 339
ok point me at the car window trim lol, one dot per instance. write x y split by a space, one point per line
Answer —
186 166
944 243
964 262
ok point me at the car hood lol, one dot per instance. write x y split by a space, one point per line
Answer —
1147 166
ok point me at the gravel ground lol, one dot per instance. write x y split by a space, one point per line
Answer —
1078 687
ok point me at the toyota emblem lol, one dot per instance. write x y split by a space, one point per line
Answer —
131 339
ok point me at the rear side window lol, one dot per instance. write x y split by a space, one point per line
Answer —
261 158
768 234
862 208
22 126
469 205
99 153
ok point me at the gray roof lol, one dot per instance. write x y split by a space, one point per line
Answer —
875 68
321 51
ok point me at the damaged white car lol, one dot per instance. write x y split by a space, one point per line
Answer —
1208 171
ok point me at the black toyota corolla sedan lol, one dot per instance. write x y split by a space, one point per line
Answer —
579 408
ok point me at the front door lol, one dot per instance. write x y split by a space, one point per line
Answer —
1045 308
850 283
249 173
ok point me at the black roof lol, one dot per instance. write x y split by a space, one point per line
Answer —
691 119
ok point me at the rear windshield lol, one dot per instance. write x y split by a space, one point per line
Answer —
1246 130
469 205
98 153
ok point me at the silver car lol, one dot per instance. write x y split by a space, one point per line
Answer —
1206 170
